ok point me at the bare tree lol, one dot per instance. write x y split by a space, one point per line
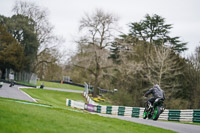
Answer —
193 78
98 31
162 68
95 61
46 64
99 28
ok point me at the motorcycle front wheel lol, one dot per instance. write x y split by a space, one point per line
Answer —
145 114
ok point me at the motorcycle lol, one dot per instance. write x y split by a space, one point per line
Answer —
153 112
1 84
12 84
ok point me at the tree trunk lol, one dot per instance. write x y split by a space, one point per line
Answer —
3 73
96 92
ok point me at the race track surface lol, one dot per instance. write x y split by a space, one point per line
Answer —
177 127
15 93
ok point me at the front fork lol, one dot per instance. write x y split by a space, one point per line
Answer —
162 109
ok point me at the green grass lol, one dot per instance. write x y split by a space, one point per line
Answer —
25 83
59 85
23 118
54 98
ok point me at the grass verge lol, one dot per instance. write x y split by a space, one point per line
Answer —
59 85
23 118
25 83
51 97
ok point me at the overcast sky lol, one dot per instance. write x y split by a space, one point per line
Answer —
65 15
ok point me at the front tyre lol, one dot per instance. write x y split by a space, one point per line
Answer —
145 114
157 112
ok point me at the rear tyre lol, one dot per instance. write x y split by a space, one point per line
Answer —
156 114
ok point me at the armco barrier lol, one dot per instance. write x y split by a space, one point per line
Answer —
114 110
137 112
89 100
196 115
164 115
98 109
174 115
91 108
75 104
121 111
186 115
68 102
128 111
108 109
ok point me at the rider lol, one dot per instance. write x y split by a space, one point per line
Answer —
157 92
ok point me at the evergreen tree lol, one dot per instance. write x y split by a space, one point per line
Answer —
22 29
11 52
154 30
115 52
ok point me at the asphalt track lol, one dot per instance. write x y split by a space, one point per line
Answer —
15 93
177 127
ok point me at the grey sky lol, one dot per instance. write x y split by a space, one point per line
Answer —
65 15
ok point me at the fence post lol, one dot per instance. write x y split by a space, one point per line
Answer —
86 88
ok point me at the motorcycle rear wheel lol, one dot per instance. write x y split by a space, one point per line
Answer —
156 114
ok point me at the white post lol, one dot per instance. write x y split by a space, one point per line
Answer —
86 88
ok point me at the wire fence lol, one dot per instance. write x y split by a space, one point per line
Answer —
26 77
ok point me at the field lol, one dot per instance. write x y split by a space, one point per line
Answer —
59 85
26 118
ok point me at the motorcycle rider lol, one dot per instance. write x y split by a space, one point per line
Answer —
11 78
157 92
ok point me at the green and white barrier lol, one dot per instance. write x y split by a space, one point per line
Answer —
136 112
103 109
164 115
68 102
121 110
75 104
128 111
196 115
174 115
178 115
188 115
89 100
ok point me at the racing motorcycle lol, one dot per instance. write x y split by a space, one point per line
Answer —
153 112
1 84
12 84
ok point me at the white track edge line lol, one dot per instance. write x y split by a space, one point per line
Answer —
26 93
